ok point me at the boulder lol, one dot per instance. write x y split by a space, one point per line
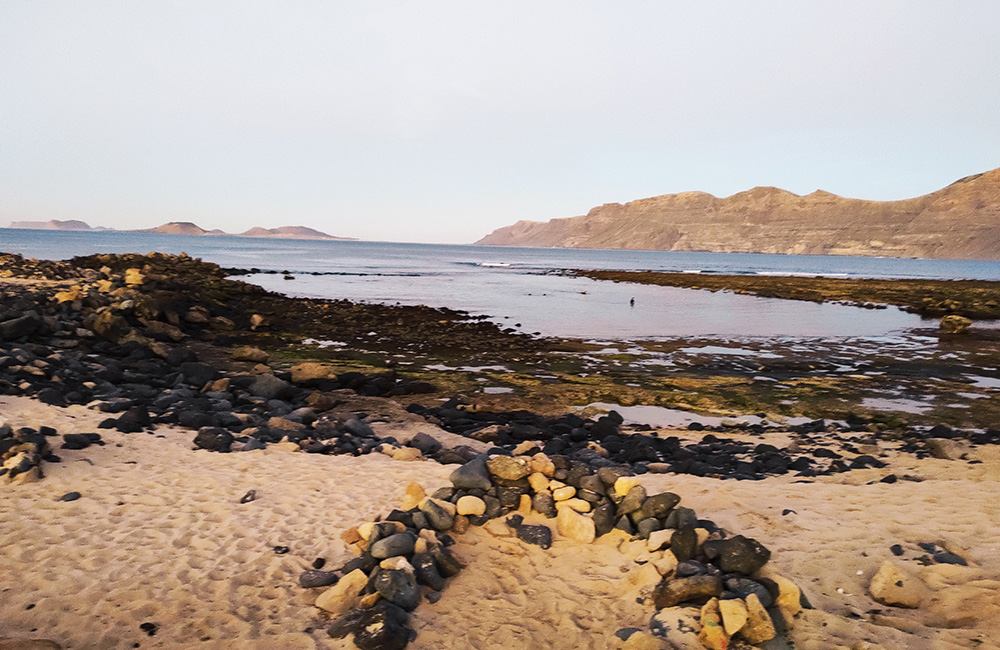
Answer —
509 468
671 592
712 635
250 353
759 626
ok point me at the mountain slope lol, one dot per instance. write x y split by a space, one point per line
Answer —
53 224
958 221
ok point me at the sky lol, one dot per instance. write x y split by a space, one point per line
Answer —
432 121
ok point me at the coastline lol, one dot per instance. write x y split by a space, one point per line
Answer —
336 446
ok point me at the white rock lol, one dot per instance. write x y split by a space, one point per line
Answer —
470 505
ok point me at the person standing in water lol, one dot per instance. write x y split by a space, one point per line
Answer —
631 302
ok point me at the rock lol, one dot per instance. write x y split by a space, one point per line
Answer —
344 595
70 496
712 635
538 482
679 590
642 641
393 545
542 464
16 328
134 277
535 534
448 565
472 476
214 439
734 615
544 503
632 500
789 599
427 444
624 484
110 325
311 578
658 539
563 493
575 526
309 371
955 324
741 554
759 626
659 505
604 518
667 564
947 449
412 497
383 627
426 571
684 544
440 514
470 505
509 468
406 454
895 587
681 516
249 353
398 587
270 387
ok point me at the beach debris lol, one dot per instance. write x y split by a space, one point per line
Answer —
251 495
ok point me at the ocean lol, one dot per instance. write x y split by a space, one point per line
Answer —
514 286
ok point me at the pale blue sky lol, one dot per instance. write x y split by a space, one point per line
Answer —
440 121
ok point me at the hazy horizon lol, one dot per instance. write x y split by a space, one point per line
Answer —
441 121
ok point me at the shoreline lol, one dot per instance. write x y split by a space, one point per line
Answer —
155 355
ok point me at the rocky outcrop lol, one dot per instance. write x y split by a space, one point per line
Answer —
959 221
292 232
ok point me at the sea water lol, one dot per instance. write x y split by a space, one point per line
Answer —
516 288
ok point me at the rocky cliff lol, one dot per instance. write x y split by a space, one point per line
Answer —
958 221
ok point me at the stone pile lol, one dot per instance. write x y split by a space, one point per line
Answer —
406 557
22 452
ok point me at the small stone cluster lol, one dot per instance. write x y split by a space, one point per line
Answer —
22 452
407 554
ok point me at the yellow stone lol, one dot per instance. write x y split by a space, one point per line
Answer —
712 634
413 496
734 615
344 595
134 276
539 482
624 484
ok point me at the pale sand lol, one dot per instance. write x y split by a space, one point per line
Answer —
160 536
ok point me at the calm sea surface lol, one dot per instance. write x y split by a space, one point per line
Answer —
511 286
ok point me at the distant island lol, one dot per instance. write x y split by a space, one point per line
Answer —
187 228
961 221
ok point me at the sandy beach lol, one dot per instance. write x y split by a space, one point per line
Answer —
159 536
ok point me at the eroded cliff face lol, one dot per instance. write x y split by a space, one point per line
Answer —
959 221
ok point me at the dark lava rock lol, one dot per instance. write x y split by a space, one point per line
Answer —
312 578
393 545
473 475
437 516
197 374
346 624
545 504
427 571
604 518
382 627
660 505
17 328
427 445
447 565
535 534
896 549
743 587
80 440
741 554
647 526
680 517
690 568
270 387
70 496
632 501
671 592
684 543
398 587
251 495
214 439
